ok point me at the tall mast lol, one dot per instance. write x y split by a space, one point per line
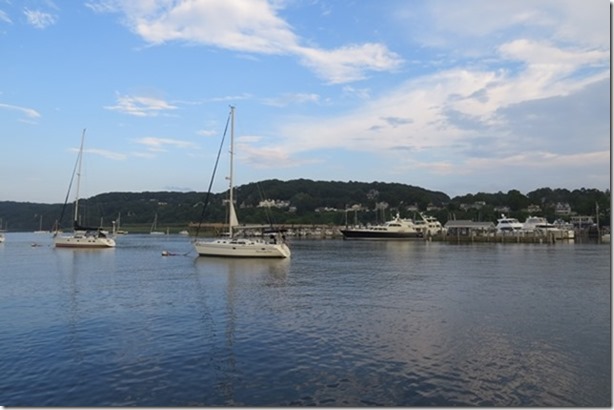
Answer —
79 178
231 194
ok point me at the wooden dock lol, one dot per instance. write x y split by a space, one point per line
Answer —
299 230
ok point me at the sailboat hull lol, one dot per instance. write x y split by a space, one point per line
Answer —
83 241
242 248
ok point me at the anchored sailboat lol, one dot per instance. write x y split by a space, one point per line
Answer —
235 247
154 227
82 237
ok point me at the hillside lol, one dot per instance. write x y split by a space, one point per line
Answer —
306 201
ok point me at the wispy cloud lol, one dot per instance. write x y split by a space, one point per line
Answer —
207 133
29 112
154 144
5 17
40 19
141 106
269 156
249 26
361 93
240 97
288 99
107 154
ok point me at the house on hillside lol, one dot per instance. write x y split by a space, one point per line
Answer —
562 209
273 203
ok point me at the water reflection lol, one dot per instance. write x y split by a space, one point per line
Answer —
227 290
249 269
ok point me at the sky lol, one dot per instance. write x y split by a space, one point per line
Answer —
458 96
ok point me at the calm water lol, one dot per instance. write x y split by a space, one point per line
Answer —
340 324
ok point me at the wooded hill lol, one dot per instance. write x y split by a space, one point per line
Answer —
311 202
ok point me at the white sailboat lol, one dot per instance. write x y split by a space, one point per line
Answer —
235 247
154 227
118 229
82 237
40 226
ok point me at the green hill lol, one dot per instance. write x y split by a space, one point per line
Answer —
300 201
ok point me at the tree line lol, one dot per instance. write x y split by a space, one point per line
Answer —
311 202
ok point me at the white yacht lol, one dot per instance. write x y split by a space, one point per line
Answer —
231 246
533 223
566 228
428 225
395 229
505 224
540 226
82 237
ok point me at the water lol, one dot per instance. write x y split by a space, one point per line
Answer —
340 324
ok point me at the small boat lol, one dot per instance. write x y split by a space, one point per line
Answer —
396 229
154 227
505 224
40 227
82 237
118 230
235 247
1 237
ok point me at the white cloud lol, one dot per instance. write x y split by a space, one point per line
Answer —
106 154
207 133
268 157
40 19
29 112
154 144
460 109
296 98
361 93
5 17
140 106
251 26
349 63
474 27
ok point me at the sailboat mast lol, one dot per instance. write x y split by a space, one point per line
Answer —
231 194
79 178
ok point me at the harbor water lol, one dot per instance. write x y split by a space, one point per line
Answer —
341 323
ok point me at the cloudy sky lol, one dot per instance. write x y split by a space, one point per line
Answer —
456 96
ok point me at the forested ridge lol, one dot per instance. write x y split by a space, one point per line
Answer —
310 202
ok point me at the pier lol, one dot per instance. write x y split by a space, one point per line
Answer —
292 230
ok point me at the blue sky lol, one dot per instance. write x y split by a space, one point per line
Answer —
456 96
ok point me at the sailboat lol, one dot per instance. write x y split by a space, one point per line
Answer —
40 226
154 227
235 247
82 237
118 230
